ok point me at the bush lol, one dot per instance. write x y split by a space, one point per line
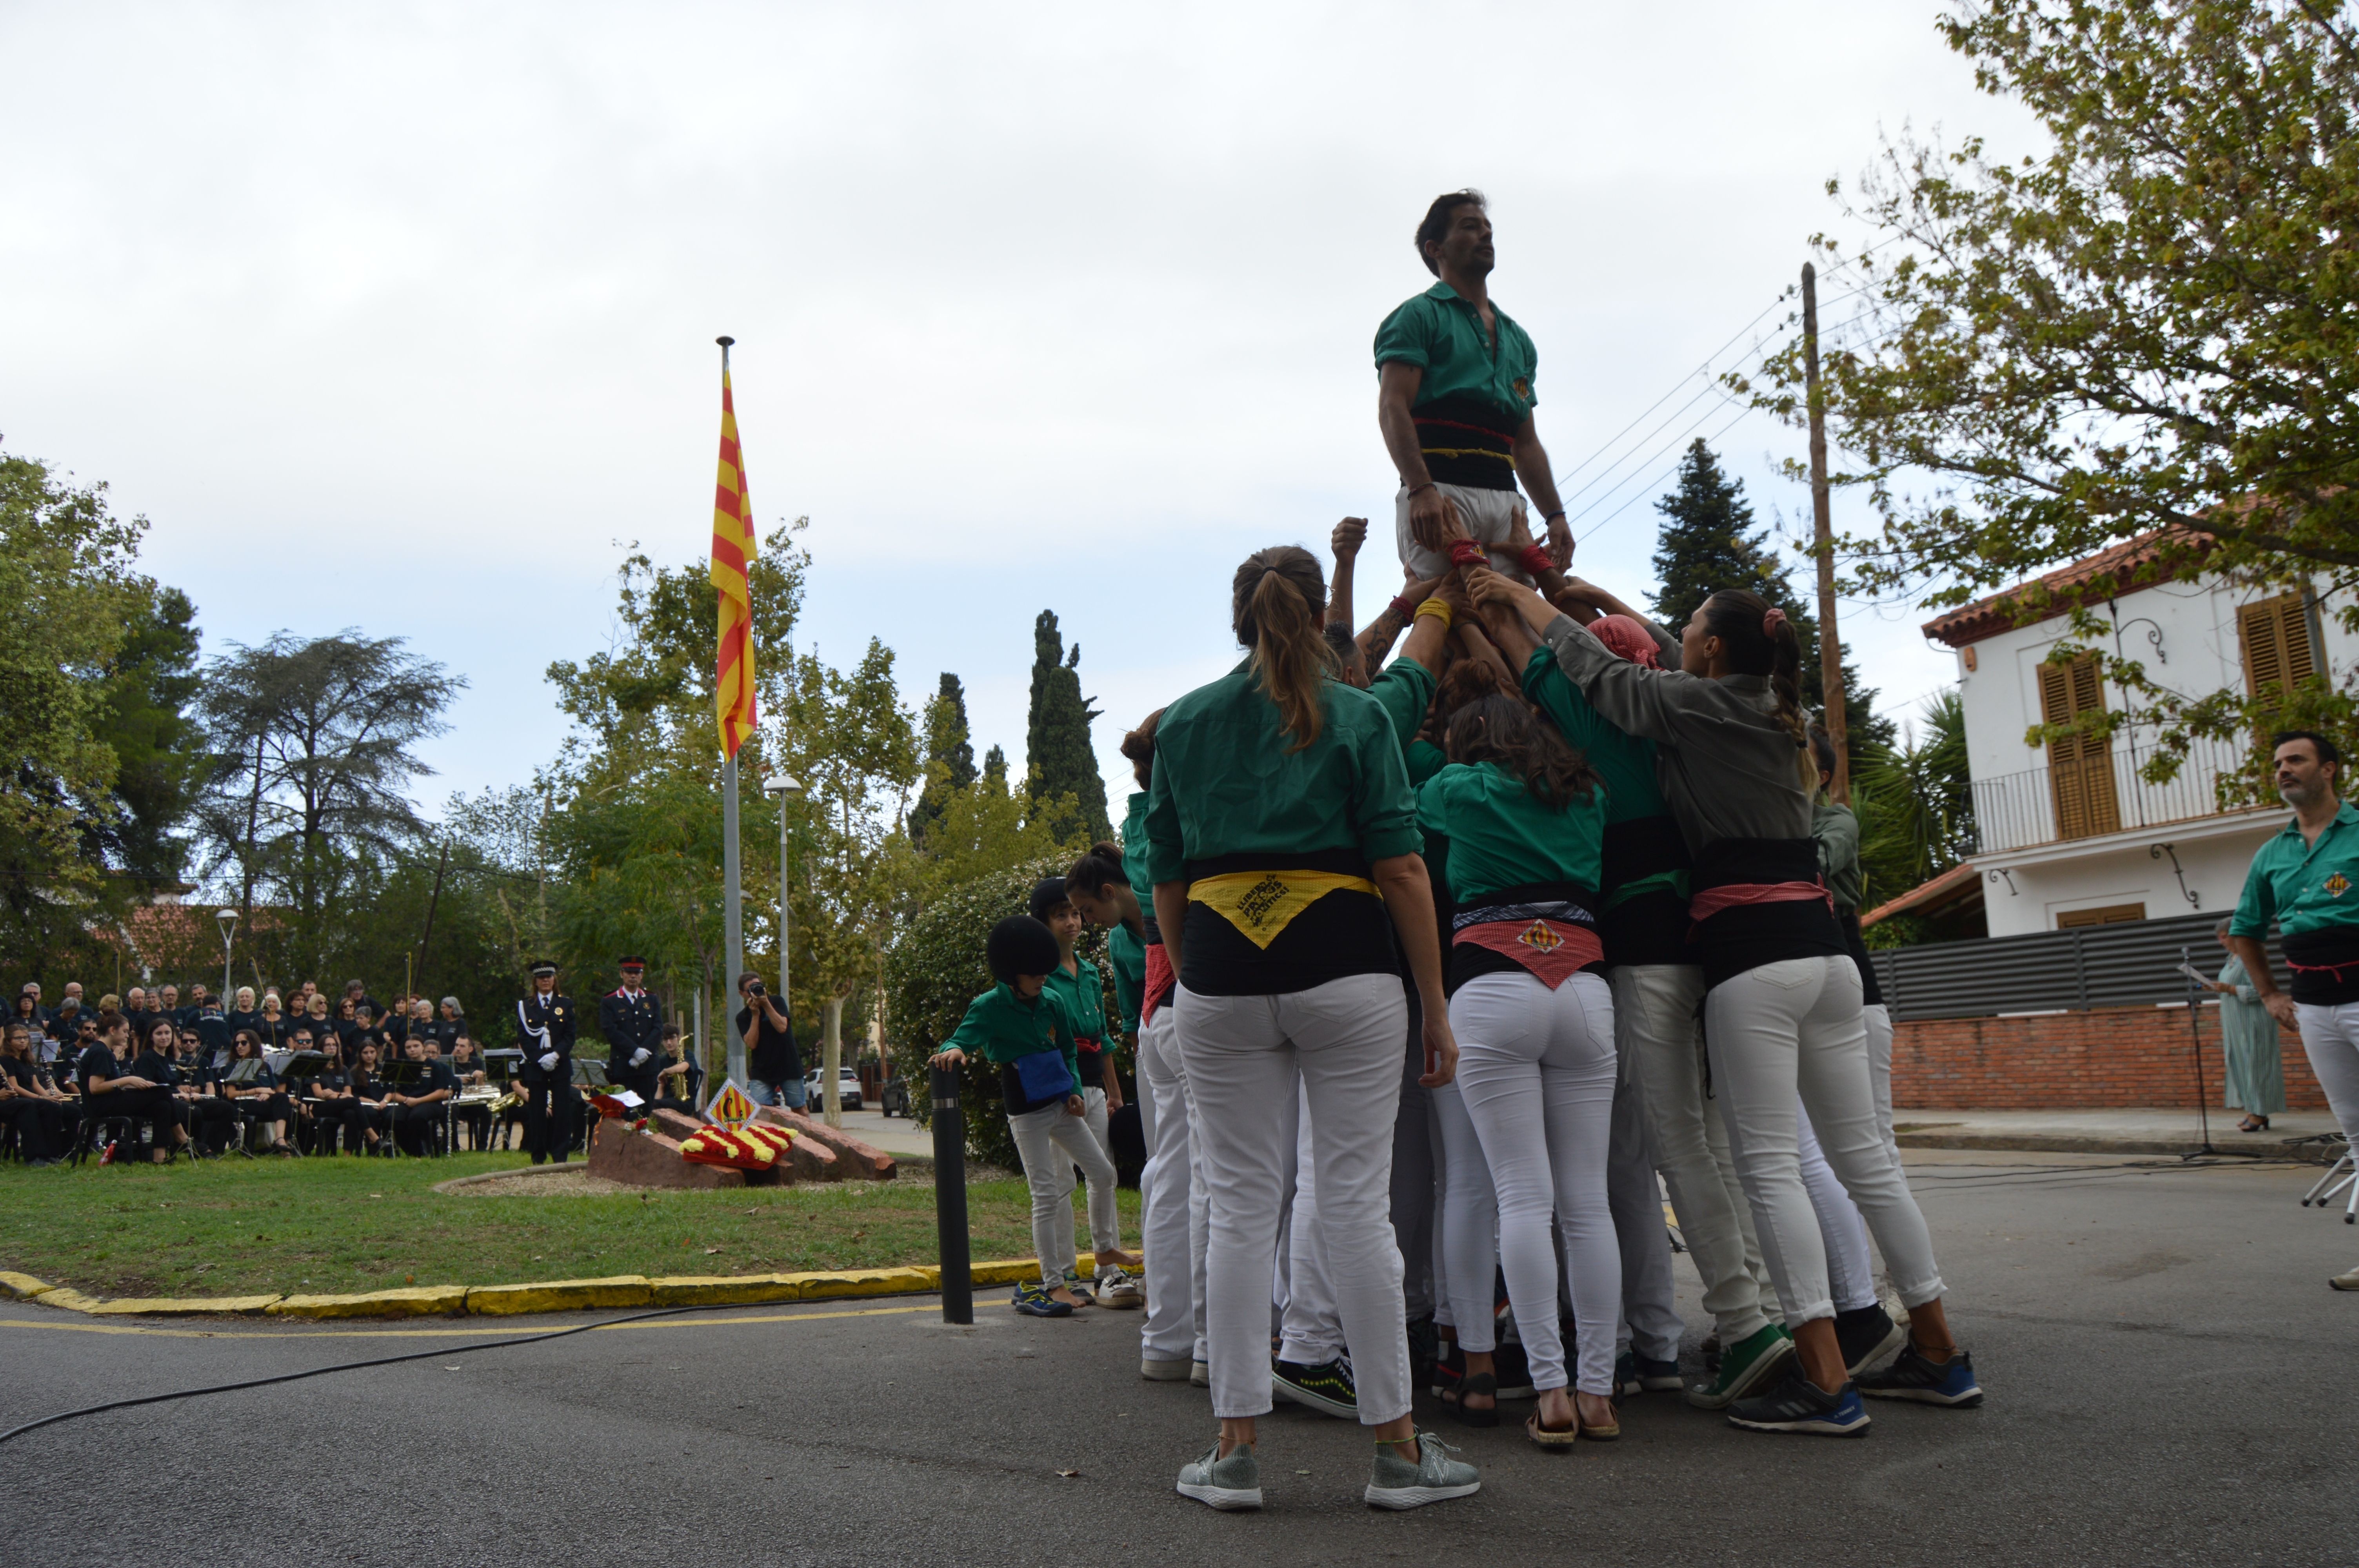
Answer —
937 968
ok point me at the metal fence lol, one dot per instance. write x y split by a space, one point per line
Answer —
2132 964
2016 811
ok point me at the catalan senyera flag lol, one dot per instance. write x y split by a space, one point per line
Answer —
733 547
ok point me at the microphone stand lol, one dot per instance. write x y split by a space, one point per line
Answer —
2195 1050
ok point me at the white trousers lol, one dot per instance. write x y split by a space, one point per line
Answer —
1650 1313
1466 1235
1654 1022
1105 1216
2330 1037
1850 1269
1310 1333
1051 1143
1878 1018
1171 1200
1242 1056
1489 515
1535 1067
1791 1027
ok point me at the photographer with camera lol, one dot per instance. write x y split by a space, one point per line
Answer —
774 1067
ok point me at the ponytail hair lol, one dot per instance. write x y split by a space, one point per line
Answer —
1275 605
1140 747
1761 641
1099 865
1498 729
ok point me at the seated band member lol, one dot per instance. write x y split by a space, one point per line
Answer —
328 1098
258 1098
466 1066
109 1088
368 1114
679 1080
38 1112
418 1107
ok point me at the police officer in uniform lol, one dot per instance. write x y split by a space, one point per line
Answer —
633 1024
545 1027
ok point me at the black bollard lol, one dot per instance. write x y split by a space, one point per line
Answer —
950 1198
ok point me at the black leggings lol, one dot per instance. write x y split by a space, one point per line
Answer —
158 1107
413 1126
40 1128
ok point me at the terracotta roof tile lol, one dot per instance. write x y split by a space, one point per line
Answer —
1989 617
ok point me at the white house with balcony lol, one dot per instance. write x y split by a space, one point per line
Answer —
2070 834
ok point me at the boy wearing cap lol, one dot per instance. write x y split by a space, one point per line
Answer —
1028 1036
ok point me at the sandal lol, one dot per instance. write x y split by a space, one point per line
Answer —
2254 1123
1550 1437
1475 1383
1598 1433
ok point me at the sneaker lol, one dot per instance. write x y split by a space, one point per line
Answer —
2347 1281
1118 1288
1868 1335
1912 1377
1637 1373
1034 1301
1328 1389
1436 1477
1229 1483
1156 1371
1200 1374
1800 1405
1744 1366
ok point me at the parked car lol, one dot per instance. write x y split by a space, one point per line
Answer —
847 1089
895 1100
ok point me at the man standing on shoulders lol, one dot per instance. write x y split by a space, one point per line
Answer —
2306 880
545 1027
1454 401
632 1025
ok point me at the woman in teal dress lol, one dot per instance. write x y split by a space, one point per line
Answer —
2249 1040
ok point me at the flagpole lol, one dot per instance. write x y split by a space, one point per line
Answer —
733 915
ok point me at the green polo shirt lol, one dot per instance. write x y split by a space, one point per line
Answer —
1082 996
1502 838
1002 1026
1127 954
1404 688
1837 831
1625 762
1442 335
1227 783
2302 886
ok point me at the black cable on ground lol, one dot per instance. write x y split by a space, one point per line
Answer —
350 1366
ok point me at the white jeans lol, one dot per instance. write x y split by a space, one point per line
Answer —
1488 515
1650 1313
1850 1269
2330 1037
1310 1332
1791 1027
1106 1217
1242 1054
1537 1069
1051 1144
1655 1021
1878 1018
1171 1200
1466 1234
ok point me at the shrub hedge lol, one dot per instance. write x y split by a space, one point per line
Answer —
937 968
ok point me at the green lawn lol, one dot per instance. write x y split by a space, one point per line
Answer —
234 1228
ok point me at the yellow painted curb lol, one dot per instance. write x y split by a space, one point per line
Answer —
865 1282
177 1306
69 1299
23 1287
722 1289
1010 1271
414 1301
558 1296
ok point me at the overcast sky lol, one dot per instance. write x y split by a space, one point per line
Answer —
402 318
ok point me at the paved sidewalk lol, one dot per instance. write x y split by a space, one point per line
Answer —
2133 1131
894 1134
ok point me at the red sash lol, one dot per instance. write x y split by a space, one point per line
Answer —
1550 950
1159 980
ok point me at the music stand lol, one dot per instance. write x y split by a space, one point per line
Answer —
2195 988
502 1066
590 1075
243 1071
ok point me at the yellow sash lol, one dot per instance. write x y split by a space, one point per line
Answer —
1262 904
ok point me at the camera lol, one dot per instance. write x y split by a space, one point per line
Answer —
755 989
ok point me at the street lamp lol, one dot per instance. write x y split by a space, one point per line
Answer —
783 787
227 918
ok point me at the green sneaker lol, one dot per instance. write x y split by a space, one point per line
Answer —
1436 1477
1745 1368
1229 1485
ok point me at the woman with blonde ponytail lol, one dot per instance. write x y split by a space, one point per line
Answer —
1282 848
1782 999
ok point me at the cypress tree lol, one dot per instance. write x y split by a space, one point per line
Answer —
950 757
995 770
1709 540
1059 758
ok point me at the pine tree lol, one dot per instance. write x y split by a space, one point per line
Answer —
1059 759
1709 540
950 757
995 770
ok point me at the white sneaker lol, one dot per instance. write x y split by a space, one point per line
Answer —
1156 1371
2347 1281
1117 1288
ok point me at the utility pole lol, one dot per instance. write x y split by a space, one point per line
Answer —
1822 519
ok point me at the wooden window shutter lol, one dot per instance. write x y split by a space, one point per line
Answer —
2277 650
2080 767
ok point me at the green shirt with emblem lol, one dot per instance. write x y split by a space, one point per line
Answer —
1002 1026
1442 335
1625 762
1082 996
2302 886
1501 837
1227 782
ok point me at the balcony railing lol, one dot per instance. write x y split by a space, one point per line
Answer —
2096 795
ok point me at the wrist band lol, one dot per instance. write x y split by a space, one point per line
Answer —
1536 560
1436 608
1415 488
1467 553
1404 606
1553 516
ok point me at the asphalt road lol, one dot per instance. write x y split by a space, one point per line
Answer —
2170 1381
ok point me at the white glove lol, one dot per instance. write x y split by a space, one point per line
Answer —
549 1062
640 1057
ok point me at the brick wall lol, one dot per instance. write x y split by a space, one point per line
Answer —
2104 1058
